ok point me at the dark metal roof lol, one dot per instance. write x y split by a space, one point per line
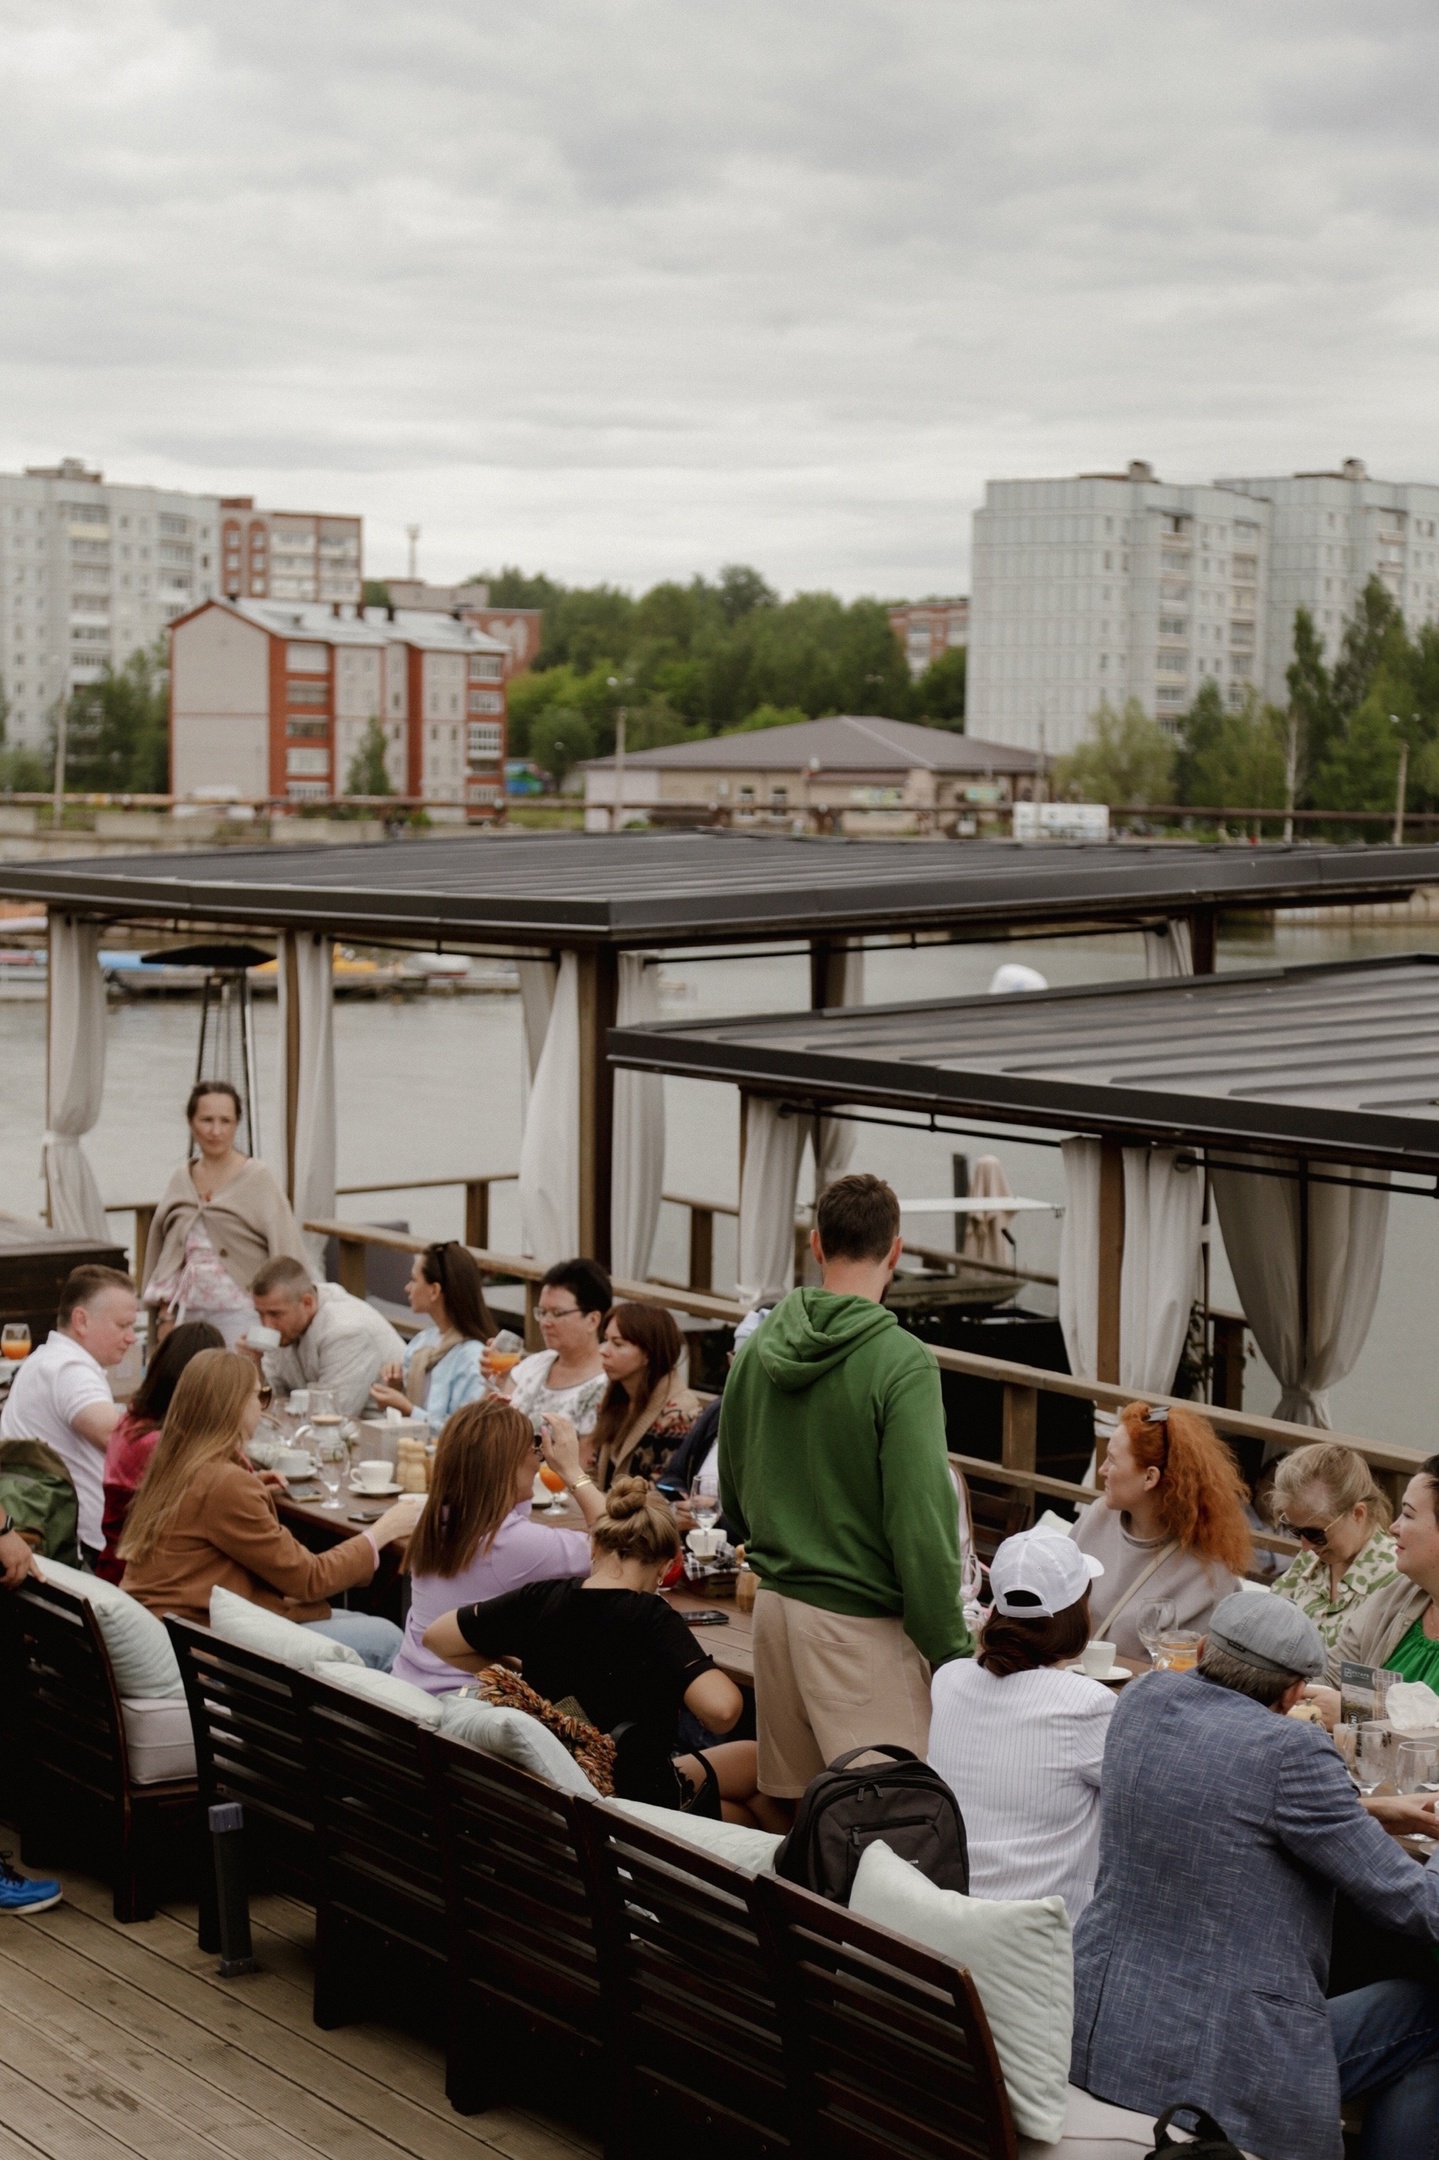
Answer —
684 888
1338 1062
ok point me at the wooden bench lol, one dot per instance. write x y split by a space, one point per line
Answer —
77 1797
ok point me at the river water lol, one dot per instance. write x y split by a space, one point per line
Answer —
432 1088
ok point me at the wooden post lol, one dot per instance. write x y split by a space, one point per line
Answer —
477 1212
826 972
289 962
1203 931
1111 1257
352 1265
1226 1374
144 1216
1019 1450
599 997
702 1248
534 1334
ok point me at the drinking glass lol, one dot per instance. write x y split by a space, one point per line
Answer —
1416 1766
15 1340
704 1500
1178 1650
1373 1758
554 1484
1156 1619
332 1459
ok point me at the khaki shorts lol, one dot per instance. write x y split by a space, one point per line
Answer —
824 1683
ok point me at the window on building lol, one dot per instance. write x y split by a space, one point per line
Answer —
307 730
307 693
307 659
484 739
486 667
486 701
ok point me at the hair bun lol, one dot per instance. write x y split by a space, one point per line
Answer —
626 1497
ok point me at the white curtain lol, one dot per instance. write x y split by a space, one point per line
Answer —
550 1147
983 1237
639 1132
772 1149
1163 1218
1168 950
1079 1258
537 996
77 1077
312 1176
1260 1218
1163 1207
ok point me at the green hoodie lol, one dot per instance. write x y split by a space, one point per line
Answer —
833 1468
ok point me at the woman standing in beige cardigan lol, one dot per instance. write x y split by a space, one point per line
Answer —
220 1218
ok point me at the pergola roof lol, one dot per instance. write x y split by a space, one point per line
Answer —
692 887
1337 1063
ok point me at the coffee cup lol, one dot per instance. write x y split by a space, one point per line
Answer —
1097 1658
262 1338
374 1476
294 1463
704 1544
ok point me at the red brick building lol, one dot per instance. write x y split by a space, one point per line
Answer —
288 554
927 629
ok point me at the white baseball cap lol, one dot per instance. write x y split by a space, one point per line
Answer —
1040 1573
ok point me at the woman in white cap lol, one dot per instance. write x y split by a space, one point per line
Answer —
1018 1740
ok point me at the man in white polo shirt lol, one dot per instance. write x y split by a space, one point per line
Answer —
61 1395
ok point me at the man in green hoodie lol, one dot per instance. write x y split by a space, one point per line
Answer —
833 1473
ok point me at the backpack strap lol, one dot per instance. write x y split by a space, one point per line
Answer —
878 1747
1207 2131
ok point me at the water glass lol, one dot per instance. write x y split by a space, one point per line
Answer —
1374 1758
332 1460
704 1500
1416 1766
1156 1620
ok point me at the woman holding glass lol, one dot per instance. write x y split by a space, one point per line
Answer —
1326 1497
220 1218
442 1366
566 1378
1169 1527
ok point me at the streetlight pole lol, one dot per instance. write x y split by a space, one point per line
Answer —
1291 775
1402 784
61 726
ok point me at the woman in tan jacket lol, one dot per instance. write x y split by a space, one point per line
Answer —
203 1516
646 1410
220 1218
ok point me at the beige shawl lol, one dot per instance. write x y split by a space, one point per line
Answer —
248 1222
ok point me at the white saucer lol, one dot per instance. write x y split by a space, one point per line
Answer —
374 1492
1115 1672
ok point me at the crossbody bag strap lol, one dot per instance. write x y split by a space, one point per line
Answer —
1102 1627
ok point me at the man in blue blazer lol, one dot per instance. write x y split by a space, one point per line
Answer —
1201 1963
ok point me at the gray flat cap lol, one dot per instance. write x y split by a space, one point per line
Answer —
1269 1632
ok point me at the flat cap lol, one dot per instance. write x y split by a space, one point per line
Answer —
1269 1632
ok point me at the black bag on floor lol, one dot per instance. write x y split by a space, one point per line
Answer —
1210 2142
845 1808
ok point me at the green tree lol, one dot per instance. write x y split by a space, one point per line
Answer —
768 716
560 741
367 774
375 593
1231 759
1127 758
939 693
742 590
118 729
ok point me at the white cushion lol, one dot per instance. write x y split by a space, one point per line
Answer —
1021 1958
158 1739
740 1845
515 1738
255 1627
140 1654
383 1688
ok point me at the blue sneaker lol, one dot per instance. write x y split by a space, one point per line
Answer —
26 1893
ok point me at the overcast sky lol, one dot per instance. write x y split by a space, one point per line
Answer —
625 289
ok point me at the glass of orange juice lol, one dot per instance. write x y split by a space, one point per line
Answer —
553 1483
1178 1650
15 1340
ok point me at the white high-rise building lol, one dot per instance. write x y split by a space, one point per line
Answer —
89 571
1111 586
1330 532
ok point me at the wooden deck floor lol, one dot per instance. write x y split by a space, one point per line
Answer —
123 2043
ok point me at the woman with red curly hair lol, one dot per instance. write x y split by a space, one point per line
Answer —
1170 1523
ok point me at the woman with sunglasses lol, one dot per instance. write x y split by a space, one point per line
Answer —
442 1367
1326 1497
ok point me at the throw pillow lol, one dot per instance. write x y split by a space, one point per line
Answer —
158 1740
514 1738
1020 1956
139 1649
739 1845
383 1688
255 1627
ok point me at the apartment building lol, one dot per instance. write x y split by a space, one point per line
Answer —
289 554
89 571
1330 532
273 699
521 629
928 629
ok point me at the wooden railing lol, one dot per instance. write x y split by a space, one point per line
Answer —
1022 1385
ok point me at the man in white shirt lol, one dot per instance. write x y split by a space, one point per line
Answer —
328 1339
61 1395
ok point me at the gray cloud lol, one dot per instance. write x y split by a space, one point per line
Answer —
627 288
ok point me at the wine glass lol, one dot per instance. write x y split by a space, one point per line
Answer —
555 1486
1372 1761
704 1500
332 1460
1156 1620
15 1340
1416 1766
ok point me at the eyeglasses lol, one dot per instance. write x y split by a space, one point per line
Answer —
557 1312
1313 1534
266 1394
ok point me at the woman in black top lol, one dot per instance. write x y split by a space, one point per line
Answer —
614 1647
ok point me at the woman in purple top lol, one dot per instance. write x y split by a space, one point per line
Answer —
476 1539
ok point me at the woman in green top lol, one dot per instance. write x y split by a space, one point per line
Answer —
1326 1497
1397 1628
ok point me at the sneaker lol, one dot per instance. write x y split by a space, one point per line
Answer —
26 1893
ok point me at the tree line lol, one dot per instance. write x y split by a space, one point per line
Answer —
1337 746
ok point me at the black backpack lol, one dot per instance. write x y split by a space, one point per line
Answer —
902 1801
1210 2142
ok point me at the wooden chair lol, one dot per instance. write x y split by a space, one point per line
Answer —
690 1991
887 2049
381 1934
77 1798
524 1996
249 1746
